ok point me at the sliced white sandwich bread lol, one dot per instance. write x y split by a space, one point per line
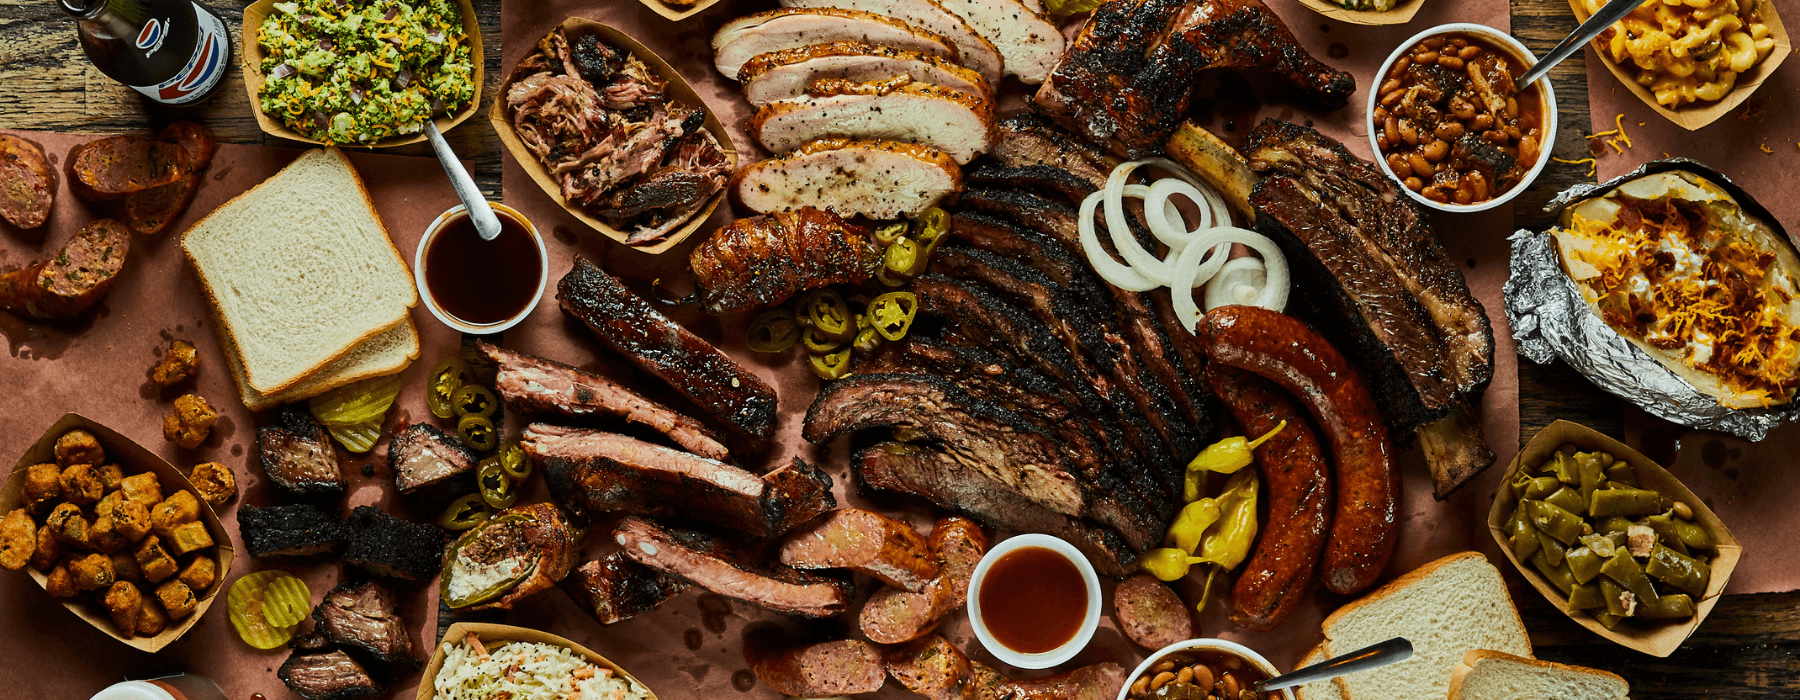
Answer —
393 350
300 271
1493 675
1446 608
1317 690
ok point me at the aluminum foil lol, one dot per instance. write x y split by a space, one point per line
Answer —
1551 321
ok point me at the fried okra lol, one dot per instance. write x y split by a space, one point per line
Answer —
43 487
179 363
142 488
176 598
92 572
200 574
179 509
59 583
155 561
125 567
192 421
125 602
69 524
104 537
81 485
191 537
79 447
151 619
111 476
132 519
215 483
50 549
18 539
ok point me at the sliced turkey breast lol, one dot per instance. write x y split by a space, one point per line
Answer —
747 37
785 74
894 110
1029 43
978 53
876 179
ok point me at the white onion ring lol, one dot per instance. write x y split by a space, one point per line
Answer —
1146 263
1274 294
1165 218
1115 273
1241 281
1221 212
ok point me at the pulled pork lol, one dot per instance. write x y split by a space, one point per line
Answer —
607 129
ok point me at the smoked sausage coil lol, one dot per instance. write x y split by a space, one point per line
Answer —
27 183
1283 350
76 278
1293 465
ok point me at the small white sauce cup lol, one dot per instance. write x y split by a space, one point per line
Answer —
431 304
1089 622
1499 40
1213 645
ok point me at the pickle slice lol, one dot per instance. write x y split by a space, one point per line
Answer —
247 603
286 602
359 437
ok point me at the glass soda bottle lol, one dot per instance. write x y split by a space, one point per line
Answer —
173 51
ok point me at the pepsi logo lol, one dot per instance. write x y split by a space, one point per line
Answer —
151 33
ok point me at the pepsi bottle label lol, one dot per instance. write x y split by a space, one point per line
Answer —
212 54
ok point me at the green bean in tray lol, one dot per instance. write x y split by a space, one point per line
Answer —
834 325
1615 548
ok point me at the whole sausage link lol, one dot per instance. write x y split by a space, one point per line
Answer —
1286 352
1293 465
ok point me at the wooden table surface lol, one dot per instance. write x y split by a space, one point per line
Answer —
1748 648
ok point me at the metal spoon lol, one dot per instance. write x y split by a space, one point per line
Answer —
1391 651
486 223
1612 12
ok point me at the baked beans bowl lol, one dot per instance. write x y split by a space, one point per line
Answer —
1447 122
1202 669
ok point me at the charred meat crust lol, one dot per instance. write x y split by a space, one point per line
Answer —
761 261
290 531
944 480
296 454
388 546
537 385
717 385
608 472
1395 303
728 568
614 588
326 674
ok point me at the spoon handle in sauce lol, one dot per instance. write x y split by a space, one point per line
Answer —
1610 13
1391 651
486 223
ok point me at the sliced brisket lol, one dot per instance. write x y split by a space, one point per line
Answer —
361 616
423 457
297 455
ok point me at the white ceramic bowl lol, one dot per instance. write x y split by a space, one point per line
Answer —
1500 40
1218 645
431 304
1089 622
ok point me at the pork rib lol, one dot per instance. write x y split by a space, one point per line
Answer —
536 385
723 567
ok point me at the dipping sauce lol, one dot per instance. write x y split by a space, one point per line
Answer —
1033 600
479 282
1452 124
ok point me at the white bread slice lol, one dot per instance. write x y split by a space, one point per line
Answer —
1446 608
1317 690
393 350
1493 675
300 270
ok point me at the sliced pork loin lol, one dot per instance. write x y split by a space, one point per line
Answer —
537 385
876 179
607 472
750 36
724 567
1029 43
784 74
897 109
977 52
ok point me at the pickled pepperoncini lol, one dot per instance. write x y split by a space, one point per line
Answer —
1224 457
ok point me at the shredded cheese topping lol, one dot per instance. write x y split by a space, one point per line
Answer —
1710 297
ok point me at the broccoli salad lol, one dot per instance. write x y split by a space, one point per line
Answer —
358 71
